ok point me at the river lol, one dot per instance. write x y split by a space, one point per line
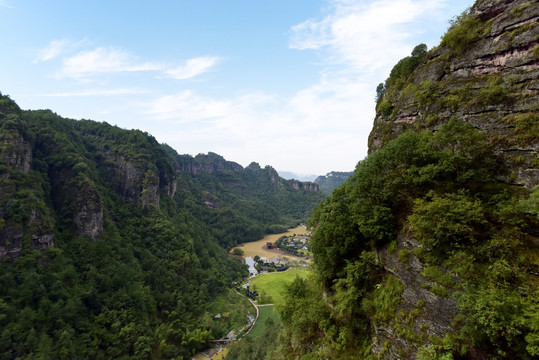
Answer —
251 249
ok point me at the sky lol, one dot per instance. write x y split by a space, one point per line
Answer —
286 83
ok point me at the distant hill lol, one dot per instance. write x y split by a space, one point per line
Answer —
329 182
301 177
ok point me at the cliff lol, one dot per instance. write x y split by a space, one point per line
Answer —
430 249
329 182
24 216
55 175
485 71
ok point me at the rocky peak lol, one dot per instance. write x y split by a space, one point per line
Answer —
303 185
209 163
485 72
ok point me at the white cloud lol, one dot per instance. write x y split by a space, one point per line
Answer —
188 107
103 60
192 67
354 31
55 48
325 124
91 63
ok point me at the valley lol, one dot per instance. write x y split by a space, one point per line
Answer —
116 246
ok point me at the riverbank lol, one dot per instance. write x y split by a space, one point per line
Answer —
251 249
259 247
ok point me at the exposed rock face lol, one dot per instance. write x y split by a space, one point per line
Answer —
88 214
137 183
58 172
491 82
20 157
434 313
22 210
206 163
303 185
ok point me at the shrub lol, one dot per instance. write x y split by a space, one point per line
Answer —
463 31
238 252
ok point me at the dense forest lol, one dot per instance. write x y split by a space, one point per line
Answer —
111 251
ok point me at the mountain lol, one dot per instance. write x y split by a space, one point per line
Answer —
332 180
242 204
292 175
114 246
430 249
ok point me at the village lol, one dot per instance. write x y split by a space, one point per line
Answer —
297 245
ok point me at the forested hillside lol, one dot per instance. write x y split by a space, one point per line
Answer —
430 250
111 250
242 204
332 180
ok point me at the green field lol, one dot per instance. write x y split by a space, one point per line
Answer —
266 312
274 283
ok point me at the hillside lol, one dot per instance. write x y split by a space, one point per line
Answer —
114 246
430 250
329 182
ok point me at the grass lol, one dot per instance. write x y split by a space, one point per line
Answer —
274 283
266 312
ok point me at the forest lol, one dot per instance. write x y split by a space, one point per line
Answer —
110 251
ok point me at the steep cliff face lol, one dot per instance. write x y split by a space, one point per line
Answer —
303 185
24 217
292 183
209 163
486 72
54 173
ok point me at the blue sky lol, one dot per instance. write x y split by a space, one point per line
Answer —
286 83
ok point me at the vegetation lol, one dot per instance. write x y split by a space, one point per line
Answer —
261 342
274 284
463 31
244 204
477 235
105 262
332 180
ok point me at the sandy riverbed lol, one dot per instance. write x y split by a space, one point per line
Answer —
250 249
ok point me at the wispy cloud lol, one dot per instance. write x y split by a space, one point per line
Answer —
4 3
98 92
192 67
58 47
87 64
354 31
53 50
103 60
336 113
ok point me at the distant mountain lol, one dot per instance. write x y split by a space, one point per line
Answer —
329 182
301 177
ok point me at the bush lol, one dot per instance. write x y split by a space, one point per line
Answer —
463 31
238 252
